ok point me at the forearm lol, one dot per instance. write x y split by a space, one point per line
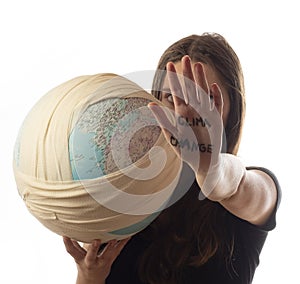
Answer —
222 180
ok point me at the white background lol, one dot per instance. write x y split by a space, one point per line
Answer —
44 43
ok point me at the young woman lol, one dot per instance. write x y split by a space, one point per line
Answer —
216 239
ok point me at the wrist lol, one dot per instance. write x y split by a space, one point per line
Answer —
83 279
223 177
209 173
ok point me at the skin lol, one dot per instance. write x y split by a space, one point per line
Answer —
179 93
93 267
206 76
254 197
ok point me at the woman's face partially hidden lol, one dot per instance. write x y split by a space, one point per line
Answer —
211 78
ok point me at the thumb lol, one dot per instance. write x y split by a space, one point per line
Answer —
165 118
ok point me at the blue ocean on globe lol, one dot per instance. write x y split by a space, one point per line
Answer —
84 155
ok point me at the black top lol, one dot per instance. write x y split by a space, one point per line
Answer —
248 243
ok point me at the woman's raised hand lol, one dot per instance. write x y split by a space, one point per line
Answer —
194 126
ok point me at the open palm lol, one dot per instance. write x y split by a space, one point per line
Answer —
194 126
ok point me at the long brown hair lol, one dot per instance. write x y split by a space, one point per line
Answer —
191 231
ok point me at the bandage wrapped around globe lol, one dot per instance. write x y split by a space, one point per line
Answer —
91 162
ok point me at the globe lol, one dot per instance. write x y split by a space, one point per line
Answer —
90 161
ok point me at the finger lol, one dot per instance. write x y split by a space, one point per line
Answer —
73 249
189 90
78 246
113 249
217 95
175 85
163 120
120 245
168 129
92 251
201 80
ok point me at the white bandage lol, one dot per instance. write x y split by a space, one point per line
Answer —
57 165
223 179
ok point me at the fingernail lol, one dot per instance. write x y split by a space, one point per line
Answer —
150 105
112 242
186 57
